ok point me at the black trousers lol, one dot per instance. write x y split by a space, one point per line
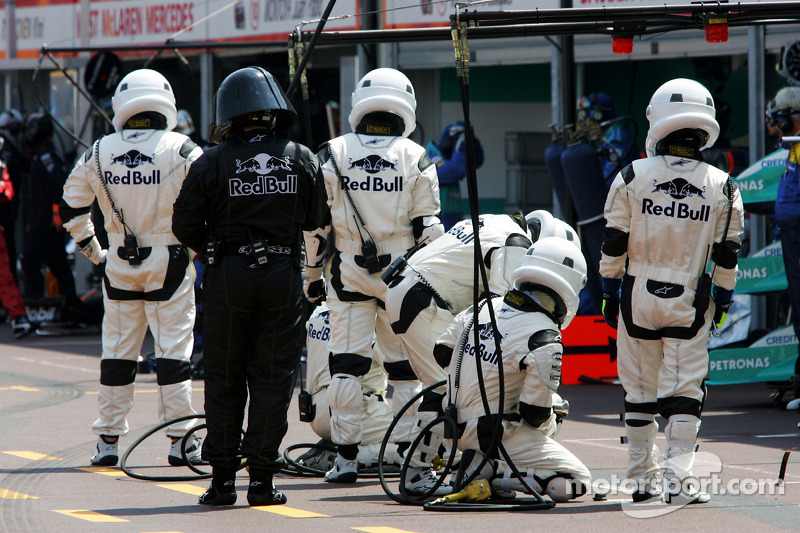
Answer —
253 331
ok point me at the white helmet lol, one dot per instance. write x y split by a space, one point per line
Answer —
140 91
543 224
555 264
385 89
680 104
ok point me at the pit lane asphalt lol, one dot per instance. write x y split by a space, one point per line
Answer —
48 401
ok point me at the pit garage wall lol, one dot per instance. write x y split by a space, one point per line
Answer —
516 98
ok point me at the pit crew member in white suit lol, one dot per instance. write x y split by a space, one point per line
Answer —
149 277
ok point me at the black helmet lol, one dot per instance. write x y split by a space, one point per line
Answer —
246 92
38 128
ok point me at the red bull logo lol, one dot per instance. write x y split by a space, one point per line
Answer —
263 164
132 159
263 185
679 188
132 177
373 183
678 210
372 164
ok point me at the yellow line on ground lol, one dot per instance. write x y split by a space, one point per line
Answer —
35 456
381 530
291 512
104 470
149 391
185 488
11 495
20 387
91 516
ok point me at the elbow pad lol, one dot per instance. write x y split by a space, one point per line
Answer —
316 243
725 254
427 229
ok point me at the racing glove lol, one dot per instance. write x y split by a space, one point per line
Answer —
611 301
723 299
314 287
91 248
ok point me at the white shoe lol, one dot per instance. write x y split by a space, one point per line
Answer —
343 471
420 481
20 326
107 454
192 452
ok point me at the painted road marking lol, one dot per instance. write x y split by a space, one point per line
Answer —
291 512
90 516
11 495
34 456
185 488
103 470
20 388
381 530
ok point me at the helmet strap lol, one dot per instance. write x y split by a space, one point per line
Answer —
381 123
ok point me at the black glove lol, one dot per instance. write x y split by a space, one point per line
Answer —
611 301
315 291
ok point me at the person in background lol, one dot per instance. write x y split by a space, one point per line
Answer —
785 117
450 157
10 296
45 239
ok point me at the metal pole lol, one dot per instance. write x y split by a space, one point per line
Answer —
755 117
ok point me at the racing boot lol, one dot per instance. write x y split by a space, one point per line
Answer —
107 451
343 471
192 449
641 430
262 491
681 432
222 490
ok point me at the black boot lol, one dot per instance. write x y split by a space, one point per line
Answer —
262 491
222 490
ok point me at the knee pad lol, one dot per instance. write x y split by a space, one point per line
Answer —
563 489
344 395
403 392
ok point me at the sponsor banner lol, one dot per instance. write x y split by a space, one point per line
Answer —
137 22
590 351
758 183
762 272
771 358
417 13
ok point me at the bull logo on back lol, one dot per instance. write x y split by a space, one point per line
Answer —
373 164
263 164
679 188
132 159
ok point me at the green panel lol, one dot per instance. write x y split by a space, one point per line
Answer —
486 206
761 274
758 183
521 83
751 365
